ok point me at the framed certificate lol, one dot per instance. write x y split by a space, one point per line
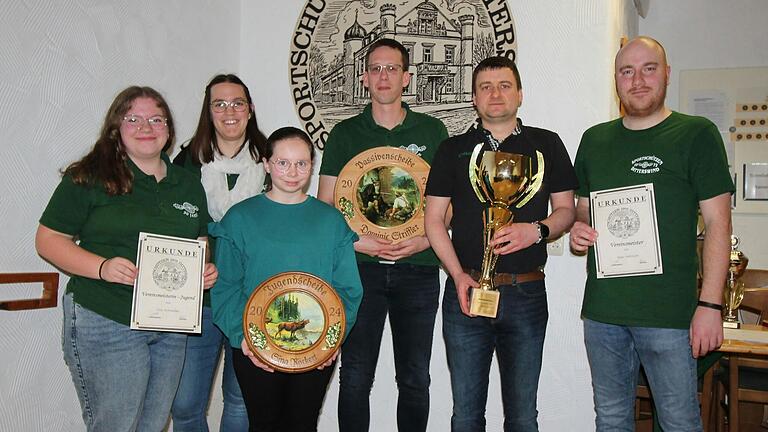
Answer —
168 293
628 240
294 322
756 181
381 192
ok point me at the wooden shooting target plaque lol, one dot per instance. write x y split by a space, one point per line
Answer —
294 322
381 192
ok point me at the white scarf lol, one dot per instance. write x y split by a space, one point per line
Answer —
213 175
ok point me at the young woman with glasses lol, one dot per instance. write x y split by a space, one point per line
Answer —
283 230
126 184
225 152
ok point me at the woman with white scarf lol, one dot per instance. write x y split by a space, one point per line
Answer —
226 151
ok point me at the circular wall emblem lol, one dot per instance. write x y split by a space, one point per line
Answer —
169 274
381 192
623 222
294 322
445 39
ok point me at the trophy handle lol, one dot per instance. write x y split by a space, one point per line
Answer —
536 182
474 173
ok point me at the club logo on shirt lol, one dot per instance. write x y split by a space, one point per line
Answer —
415 149
646 165
187 208
444 39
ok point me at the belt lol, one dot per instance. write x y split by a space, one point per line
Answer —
509 278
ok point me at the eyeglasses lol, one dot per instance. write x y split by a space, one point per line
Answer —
283 165
238 105
154 122
376 69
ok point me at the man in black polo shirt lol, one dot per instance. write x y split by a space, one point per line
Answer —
517 333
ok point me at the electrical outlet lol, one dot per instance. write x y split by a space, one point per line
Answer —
555 247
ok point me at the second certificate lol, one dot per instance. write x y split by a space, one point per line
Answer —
628 240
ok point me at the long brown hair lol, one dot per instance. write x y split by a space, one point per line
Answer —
106 164
204 141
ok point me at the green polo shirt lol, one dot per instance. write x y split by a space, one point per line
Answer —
109 226
418 133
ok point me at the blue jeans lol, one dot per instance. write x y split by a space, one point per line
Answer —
191 402
615 353
409 294
125 379
517 336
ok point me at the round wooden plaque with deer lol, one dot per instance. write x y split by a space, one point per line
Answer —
294 322
381 192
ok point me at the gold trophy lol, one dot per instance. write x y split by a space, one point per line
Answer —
734 288
503 180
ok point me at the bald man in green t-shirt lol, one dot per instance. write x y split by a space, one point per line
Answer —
653 317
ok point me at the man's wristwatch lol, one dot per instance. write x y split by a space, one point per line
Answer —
543 231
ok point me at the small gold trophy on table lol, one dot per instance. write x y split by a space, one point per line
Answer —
503 180
734 288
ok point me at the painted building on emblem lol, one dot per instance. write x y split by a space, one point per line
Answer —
440 55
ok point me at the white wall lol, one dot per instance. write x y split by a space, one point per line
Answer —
715 34
61 64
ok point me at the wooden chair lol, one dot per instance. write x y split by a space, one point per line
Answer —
755 282
755 278
745 377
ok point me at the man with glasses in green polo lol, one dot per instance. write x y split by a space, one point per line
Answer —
400 280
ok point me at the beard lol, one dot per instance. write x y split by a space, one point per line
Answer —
643 108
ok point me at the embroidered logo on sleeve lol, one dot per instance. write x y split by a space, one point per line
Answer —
646 165
187 208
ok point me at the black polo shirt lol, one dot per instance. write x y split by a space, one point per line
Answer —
449 177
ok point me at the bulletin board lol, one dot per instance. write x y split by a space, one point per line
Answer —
736 100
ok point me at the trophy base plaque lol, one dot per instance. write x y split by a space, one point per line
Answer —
731 325
484 303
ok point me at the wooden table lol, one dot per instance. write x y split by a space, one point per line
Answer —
737 344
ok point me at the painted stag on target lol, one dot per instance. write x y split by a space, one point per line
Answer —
291 327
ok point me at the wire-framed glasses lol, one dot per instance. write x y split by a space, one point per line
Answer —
283 165
220 106
154 122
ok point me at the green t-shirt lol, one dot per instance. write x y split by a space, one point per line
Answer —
684 158
109 226
418 133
